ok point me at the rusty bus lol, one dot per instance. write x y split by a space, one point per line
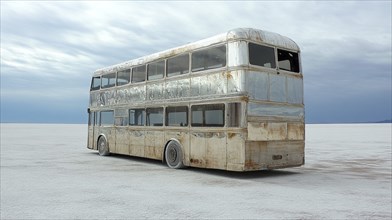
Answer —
232 102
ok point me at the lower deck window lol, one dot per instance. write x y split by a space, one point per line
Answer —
154 116
136 117
106 118
177 116
208 115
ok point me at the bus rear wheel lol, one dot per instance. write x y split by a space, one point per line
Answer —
173 155
103 148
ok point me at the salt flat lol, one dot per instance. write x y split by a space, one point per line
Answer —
48 173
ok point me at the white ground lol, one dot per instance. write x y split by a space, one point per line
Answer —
48 173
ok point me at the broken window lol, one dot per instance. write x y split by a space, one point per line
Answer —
177 116
209 58
261 55
288 61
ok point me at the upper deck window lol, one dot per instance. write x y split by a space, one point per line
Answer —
108 80
123 77
139 74
209 58
96 83
178 65
288 61
156 70
261 55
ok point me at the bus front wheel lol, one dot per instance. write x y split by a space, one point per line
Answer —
103 148
173 155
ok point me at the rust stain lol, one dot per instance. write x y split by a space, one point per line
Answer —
230 135
229 75
251 165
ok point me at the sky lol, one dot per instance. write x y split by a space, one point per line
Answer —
49 50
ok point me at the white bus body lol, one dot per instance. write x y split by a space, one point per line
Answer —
232 102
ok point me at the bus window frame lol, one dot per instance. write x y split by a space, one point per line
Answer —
205 49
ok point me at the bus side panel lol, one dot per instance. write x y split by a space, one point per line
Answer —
274 154
154 143
267 131
110 134
235 151
177 89
122 140
216 150
155 91
136 142
90 138
183 138
209 85
95 135
235 81
198 149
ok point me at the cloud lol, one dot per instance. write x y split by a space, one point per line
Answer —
50 49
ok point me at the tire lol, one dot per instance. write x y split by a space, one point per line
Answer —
174 156
103 147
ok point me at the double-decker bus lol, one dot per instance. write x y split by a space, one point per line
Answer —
233 101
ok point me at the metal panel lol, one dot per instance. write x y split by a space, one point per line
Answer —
122 140
137 93
136 146
267 131
216 150
294 90
296 131
177 89
257 85
155 91
239 55
275 154
235 151
198 149
235 82
277 88
154 144
123 96
256 109
212 84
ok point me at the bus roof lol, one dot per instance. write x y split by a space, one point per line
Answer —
250 34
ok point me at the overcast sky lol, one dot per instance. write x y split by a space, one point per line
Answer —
50 49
